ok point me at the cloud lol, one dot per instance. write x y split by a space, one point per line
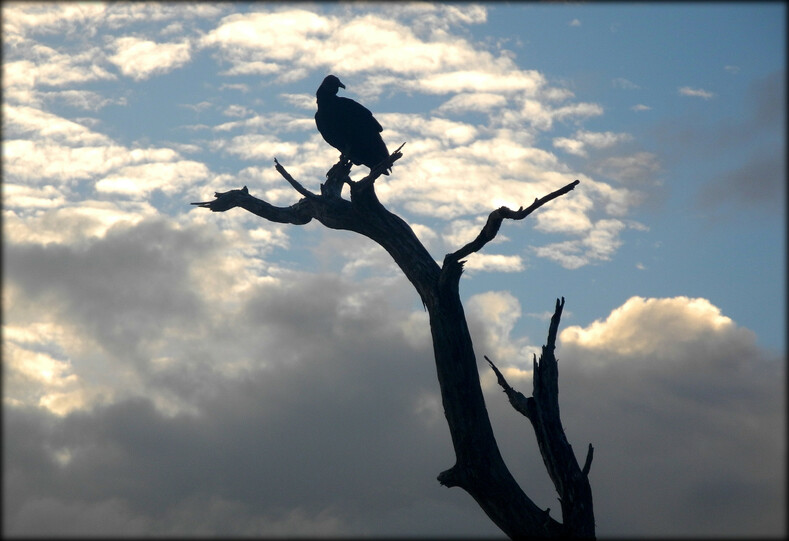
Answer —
575 22
493 317
83 99
598 243
141 59
597 140
695 92
140 180
24 120
475 101
60 222
757 184
625 84
633 169
186 379
494 263
757 181
516 104
690 377
177 455
641 107
629 331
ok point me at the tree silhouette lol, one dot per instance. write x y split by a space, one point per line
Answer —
479 468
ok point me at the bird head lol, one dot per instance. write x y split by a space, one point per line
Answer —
331 83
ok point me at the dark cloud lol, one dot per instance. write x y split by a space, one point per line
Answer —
751 153
759 183
332 424
687 419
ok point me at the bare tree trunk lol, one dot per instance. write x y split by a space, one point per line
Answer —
479 468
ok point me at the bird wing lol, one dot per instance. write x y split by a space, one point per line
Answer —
358 116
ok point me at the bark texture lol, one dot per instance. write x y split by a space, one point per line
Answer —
479 468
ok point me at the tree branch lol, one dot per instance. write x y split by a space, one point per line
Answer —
479 468
293 182
542 410
297 214
379 169
517 399
495 218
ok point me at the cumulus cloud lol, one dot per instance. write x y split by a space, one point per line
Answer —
175 378
684 379
630 330
176 455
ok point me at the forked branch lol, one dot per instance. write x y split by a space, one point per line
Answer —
542 410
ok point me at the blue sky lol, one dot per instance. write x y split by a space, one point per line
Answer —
147 341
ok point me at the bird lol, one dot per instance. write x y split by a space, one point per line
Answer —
349 126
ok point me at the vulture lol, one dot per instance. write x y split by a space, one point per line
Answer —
349 126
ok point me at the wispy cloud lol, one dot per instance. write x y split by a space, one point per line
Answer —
695 92
625 84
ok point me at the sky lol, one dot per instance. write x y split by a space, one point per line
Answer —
170 371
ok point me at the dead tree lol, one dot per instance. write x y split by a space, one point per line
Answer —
479 468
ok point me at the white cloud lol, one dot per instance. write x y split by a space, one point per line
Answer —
473 101
575 22
141 180
641 107
24 120
597 243
83 99
695 92
31 197
236 111
54 68
22 17
140 59
582 139
68 223
569 145
625 84
658 328
494 263
496 313
42 163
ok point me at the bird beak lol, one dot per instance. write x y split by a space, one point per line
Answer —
341 85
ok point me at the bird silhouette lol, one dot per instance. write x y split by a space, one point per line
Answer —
349 126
